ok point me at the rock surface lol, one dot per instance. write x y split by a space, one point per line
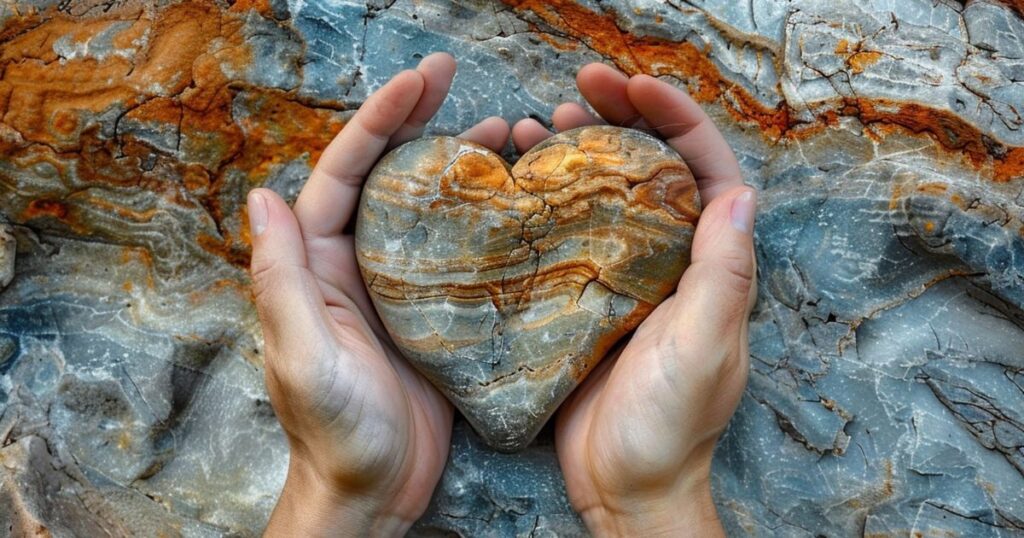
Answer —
885 137
506 286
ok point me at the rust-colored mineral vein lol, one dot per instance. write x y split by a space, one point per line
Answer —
168 73
635 54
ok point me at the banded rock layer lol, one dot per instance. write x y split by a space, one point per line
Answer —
885 139
505 286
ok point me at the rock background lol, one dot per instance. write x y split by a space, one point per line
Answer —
887 387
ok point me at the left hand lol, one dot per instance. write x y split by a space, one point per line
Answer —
635 439
368 435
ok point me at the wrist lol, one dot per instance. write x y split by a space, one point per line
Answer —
309 506
690 512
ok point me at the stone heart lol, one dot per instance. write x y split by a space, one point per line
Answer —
505 287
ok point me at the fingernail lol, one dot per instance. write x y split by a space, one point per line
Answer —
257 209
742 213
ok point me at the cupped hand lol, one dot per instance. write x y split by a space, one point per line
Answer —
368 435
635 440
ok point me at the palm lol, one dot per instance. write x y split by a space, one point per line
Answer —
354 410
378 421
629 427
651 412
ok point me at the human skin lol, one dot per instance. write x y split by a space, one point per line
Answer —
369 436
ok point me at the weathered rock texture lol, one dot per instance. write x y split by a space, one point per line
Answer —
506 286
886 139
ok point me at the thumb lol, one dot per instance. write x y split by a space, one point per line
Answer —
715 294
287 297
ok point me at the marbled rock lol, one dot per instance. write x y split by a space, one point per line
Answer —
886 139
506 286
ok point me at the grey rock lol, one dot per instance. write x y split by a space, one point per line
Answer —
8 251
885 393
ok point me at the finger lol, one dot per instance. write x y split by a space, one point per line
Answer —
327 201
491 133
528 133
605 89
688 129
287 298
438 70
571 115
713 298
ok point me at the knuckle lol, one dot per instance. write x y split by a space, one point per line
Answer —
736 270
266 275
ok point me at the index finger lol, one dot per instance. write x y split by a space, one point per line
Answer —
689 130
329 197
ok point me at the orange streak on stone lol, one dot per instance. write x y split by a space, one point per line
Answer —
282 129
862 60
1010 167
260 6
45 208
1016 5
175 73
129 254
557 44
894 200
857 59
933 188
657 56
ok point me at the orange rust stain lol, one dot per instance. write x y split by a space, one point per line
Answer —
557 44
656 56
862 60
218 286
894 200
129 254
634 54
45 208
260 6
65 121
929 226
223 248
127 286
124 441
176 75
857 59
888 488
60 211
1016 5
950 131
281 129
932 188
1011 166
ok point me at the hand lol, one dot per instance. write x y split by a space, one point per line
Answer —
635 439
368 435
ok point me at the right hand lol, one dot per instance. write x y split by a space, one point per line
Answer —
635 440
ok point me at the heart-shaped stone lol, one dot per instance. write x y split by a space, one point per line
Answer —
505 287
